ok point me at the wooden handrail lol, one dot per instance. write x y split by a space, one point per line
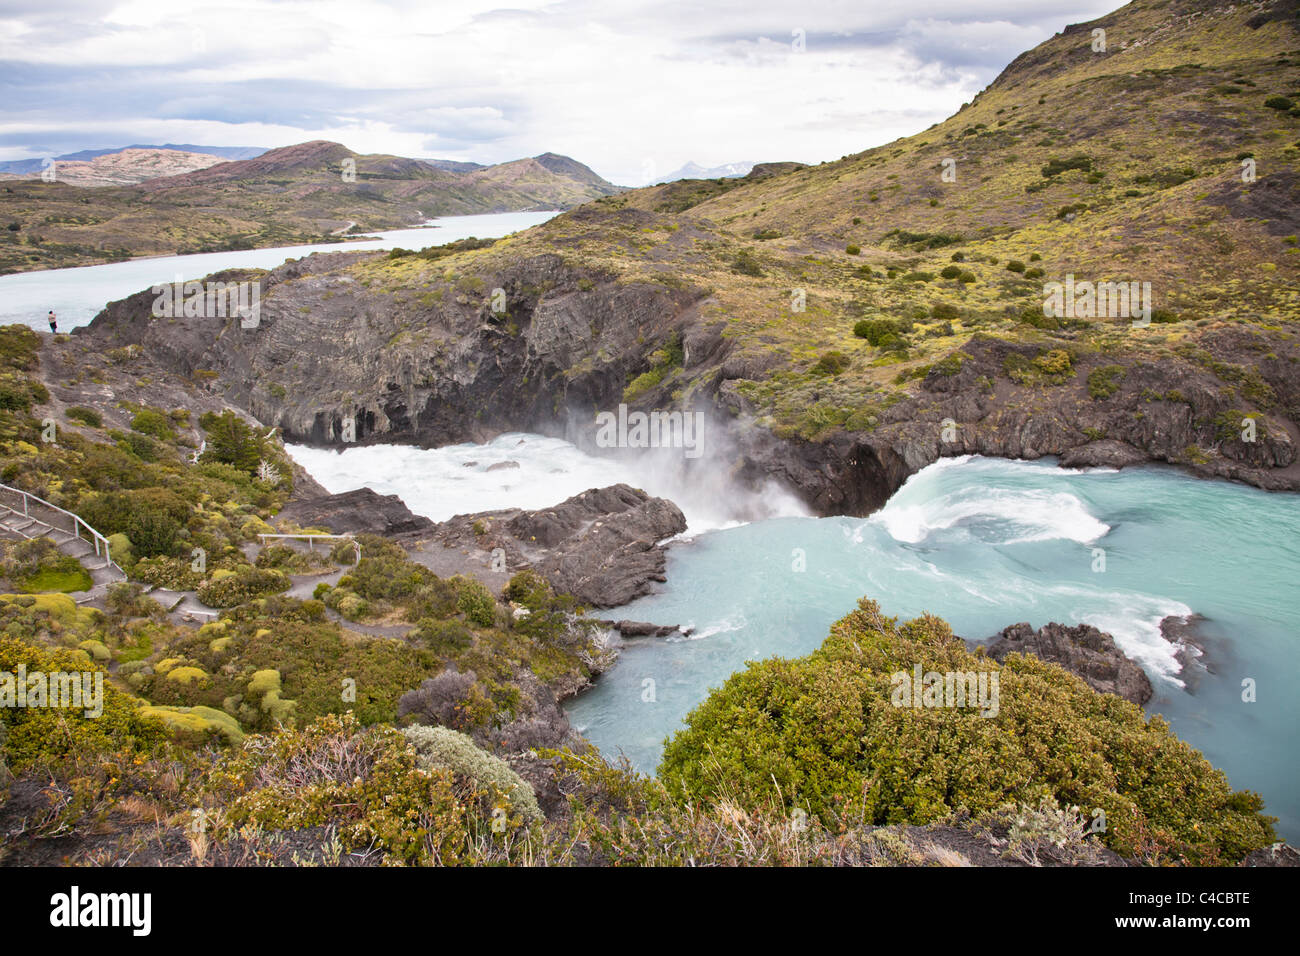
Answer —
313 537
97 539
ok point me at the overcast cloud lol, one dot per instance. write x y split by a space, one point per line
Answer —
632 88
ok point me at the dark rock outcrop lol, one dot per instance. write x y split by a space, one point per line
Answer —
1279 854
645 629
352 512
1082 650
601 546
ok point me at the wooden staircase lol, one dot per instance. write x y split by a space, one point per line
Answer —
23 515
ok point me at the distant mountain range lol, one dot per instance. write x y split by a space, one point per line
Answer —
125 168
165 201
23 167
693 171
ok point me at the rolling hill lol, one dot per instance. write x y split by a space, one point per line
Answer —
295 194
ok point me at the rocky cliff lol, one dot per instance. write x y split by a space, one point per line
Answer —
343 353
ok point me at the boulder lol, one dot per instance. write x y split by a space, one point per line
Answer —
351 512
1082 650
601 546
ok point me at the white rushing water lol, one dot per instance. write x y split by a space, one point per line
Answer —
533 471
77 295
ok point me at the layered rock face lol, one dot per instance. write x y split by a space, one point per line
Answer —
1082 650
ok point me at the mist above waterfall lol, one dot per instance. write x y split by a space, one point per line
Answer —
524 470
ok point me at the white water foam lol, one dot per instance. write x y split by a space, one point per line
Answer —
534 471
1134 621
709 630
1006 516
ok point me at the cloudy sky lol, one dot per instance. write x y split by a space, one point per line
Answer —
633 88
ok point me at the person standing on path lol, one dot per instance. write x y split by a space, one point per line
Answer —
54 325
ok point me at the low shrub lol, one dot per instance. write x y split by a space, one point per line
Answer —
832 363
1105 381
451 750
244 585
475 601
875 330
87 416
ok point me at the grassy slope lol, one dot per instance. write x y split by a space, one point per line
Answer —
1182 87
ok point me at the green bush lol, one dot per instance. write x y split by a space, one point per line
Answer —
832 363
746 263
950 272
245 585
1055 167
826 733
366 783
385 573
643 383
293 561
18 393
1015 265
1278 103
152 518
1105 381
51 734
121 551
875 330
853 250
445 638
232 441
924 240
944 310
475 601
949 365
37 565
165 572
87 416
154 423
1055 362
